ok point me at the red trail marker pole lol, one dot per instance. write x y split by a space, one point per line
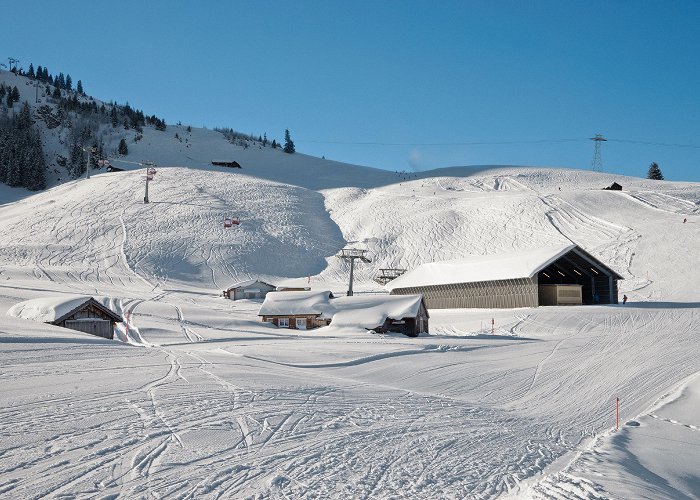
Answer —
127 326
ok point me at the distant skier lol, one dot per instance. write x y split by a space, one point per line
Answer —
685 220
624 300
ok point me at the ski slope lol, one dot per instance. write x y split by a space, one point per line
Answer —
202 400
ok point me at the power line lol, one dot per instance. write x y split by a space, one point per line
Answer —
474 143
496 143
650 143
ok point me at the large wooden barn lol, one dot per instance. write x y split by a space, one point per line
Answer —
545 276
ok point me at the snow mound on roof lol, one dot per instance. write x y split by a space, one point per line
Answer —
475 268
288 303
46 309
366 312
370 311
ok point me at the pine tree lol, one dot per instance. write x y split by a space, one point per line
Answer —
123 148
14 175
264 141
34 171
655 172
2 91
24 119
288 143
77 161
56 93
69 83
10 100
61 81
274 144
15 94
79 88
30 72
22 160
39 73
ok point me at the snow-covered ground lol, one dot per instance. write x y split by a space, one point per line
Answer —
206 401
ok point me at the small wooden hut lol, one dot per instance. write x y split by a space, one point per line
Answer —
250 289
90 317
225 163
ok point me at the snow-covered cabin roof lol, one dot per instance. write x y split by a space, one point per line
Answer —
54 309
370 311
290 303
247 283
366 311
475 268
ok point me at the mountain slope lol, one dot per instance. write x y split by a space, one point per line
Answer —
208 401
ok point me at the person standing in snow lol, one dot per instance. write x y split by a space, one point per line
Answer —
624 300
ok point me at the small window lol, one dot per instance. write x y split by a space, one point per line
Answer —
283 322
301 323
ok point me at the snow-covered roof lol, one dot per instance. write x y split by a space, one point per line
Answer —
365 311
475 268
247 283
370 311
289 303
50 309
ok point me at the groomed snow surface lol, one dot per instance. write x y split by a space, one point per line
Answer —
209 402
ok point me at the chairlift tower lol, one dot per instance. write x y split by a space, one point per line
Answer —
87 165
12 61
352 254
597 162
150 172
388 275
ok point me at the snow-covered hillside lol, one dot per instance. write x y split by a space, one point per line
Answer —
200 399
177 146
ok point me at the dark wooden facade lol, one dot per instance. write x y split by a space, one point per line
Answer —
309 321
409 326
90 317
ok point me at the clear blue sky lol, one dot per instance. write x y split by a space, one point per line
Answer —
379 83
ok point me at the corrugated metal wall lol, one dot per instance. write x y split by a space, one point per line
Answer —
502 294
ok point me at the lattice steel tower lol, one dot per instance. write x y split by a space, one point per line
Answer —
597 162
